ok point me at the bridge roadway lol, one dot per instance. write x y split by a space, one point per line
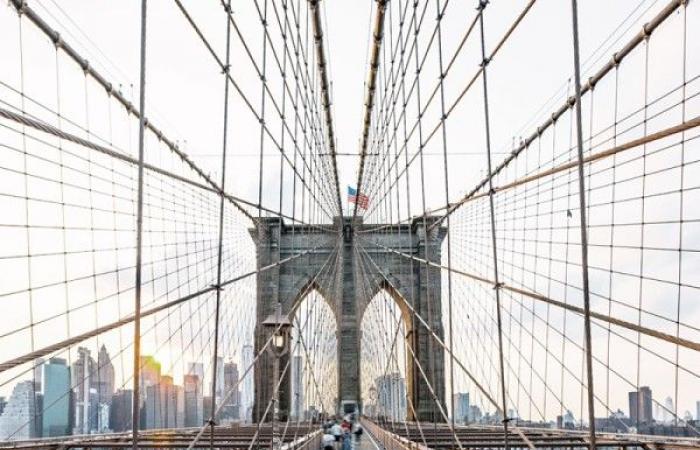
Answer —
302 437
409 436
384 436
243 437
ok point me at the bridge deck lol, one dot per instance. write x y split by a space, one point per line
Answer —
440 436
229 437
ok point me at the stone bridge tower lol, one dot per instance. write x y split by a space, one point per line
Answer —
408 281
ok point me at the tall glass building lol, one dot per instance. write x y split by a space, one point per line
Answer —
56 385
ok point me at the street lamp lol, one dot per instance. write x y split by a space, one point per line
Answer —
278 341
280 326
373 398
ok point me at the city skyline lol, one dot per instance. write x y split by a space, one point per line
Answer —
83 398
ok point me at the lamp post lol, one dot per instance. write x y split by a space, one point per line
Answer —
280 327
373 398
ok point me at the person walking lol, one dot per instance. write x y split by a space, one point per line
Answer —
337 432
358 431
328 440
347 439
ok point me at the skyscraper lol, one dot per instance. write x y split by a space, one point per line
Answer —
151 410
37 374
218 365
149 393
94 412
18 420
475 414
120 410
172 403
247 384
194 406
461 406
150 374
391 392
57 399
105 376
640 406
667 410
104 383
180 406
297 390
196 368
82 377
168 402
231 404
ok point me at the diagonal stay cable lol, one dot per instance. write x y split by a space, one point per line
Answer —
50 129
463 93
242 95
363 269
129 319
447 349
234 388
24 9
617 57
537 296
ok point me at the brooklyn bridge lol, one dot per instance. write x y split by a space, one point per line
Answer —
446 224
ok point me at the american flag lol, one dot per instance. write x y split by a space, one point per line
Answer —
362 200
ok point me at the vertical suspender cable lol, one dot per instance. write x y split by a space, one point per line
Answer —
136 403
497 284
28 234
212 418
427 246
263 95
443 118
584 235
681 215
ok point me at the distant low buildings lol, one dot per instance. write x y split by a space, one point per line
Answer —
474 414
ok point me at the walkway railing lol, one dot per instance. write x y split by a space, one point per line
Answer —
311 441
389 440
